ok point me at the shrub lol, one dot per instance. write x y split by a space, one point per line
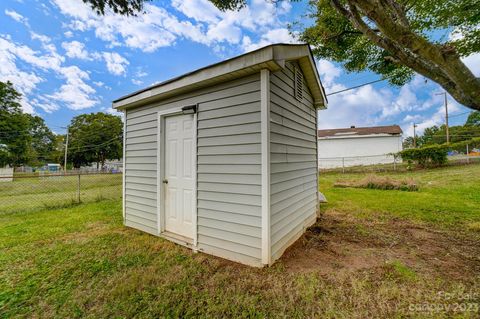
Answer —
435 155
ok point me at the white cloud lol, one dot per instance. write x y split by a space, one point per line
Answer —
46 104
147 32
437 118
199 10
158 28
328 72
75 93
41 37
137 82
116 64
140 73
412 118
24 82
16 16
368 106
224 31
280 35
76 49
68 34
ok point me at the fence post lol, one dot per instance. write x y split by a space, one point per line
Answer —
78 189
343 165
468 159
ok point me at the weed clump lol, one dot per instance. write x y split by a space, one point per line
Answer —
381 182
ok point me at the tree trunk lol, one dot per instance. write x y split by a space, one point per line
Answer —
439 63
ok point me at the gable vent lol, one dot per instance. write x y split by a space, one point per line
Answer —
298 84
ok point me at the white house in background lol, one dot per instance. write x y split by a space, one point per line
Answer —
6 174
358 146
114 166
224 159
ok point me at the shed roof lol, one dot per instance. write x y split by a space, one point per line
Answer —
355 131
272 57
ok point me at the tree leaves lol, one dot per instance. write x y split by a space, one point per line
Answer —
14 137
94 138
123 7
396 38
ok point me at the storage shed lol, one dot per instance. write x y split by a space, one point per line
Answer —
224 159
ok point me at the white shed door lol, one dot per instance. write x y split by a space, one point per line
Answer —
179 175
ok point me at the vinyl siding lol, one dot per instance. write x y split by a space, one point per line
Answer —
229 171
228 167
140 172
293 161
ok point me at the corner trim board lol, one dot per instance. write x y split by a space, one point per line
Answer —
265 149
195 184
124 200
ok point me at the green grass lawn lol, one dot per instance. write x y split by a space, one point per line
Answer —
446 197
374 254
45 192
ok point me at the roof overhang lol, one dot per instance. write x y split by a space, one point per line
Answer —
272 57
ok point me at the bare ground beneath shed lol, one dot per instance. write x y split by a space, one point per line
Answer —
338 244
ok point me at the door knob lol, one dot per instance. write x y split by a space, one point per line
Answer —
165 181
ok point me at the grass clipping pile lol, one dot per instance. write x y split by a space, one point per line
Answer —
381 182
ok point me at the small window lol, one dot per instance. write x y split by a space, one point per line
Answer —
298 84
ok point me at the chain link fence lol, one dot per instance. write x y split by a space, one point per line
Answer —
383 163
26 191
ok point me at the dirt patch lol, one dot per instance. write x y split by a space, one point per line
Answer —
338 243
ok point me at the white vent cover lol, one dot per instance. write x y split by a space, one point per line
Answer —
298 84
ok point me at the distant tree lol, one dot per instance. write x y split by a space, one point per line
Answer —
473 119
94 138
15 139
4 156
438 134
43 141
408 142
58 153
433 135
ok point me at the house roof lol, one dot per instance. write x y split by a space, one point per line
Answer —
272 57
355 131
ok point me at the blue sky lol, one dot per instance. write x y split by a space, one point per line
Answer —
66 60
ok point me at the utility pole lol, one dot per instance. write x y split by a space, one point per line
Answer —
414 136
65 157
446 115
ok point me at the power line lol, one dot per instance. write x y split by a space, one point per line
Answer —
84 148
93 146
356 86
459 114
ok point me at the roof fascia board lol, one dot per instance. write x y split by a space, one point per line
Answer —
199 78
271 57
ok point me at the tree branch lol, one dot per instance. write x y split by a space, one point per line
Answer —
343 33
433 61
